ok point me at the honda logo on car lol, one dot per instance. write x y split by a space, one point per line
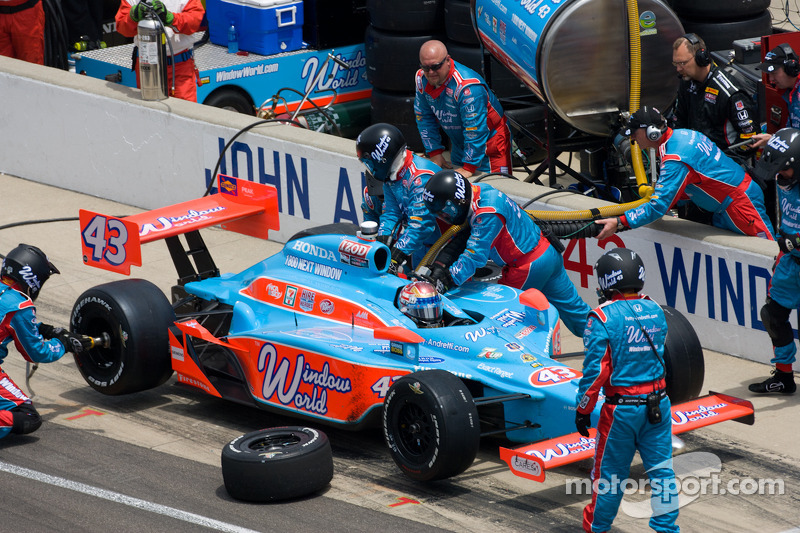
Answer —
310 249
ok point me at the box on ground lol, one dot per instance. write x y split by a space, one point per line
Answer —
263 26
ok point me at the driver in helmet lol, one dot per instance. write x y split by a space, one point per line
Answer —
503 232
420 301
629 367
403 175
24 271
781 160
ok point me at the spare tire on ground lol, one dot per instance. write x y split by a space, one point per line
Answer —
277 464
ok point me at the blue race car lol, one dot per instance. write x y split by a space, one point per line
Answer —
322 332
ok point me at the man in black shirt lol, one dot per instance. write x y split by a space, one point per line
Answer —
709 101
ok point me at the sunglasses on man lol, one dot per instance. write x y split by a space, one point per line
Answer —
435 66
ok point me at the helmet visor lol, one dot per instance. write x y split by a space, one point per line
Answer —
370 164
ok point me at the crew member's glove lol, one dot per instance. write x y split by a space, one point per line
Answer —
441 278
48 332
398 258
72 341
788 241
583 422
138 12
163 13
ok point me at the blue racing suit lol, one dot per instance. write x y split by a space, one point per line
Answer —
19 324
471 116
403 205
371 207
693 167
620 360
503 232
784 288
792 99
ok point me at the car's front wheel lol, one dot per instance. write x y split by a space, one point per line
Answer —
135 314
431 426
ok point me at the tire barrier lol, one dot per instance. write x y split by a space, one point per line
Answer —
719 24
716 11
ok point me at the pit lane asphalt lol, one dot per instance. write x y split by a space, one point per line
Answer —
150 461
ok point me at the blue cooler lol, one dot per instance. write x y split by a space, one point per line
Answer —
263 26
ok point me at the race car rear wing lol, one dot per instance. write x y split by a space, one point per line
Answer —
242 206
532 460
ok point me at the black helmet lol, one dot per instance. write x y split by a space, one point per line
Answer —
448 195
619 269
382 149
28 266
782 153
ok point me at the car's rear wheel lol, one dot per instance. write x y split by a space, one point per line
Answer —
277 464
135 314
431 426
683 357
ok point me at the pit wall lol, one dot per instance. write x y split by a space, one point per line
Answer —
101 139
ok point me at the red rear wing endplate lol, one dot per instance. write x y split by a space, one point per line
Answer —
531 461
242 206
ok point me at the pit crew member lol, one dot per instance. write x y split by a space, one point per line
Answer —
782 158
457 99
709 101
503 232
383 151
25 270
22 30
783 72
181 19
693 167
624 343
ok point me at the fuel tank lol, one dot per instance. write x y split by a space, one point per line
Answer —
574 54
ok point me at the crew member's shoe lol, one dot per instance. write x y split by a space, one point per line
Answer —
780 382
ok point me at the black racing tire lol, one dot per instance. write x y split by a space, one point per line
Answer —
136 315
413 16
398 109
338 228
720 35
277 464
714 10
431 426
458 22
232 100
683 357
393 58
